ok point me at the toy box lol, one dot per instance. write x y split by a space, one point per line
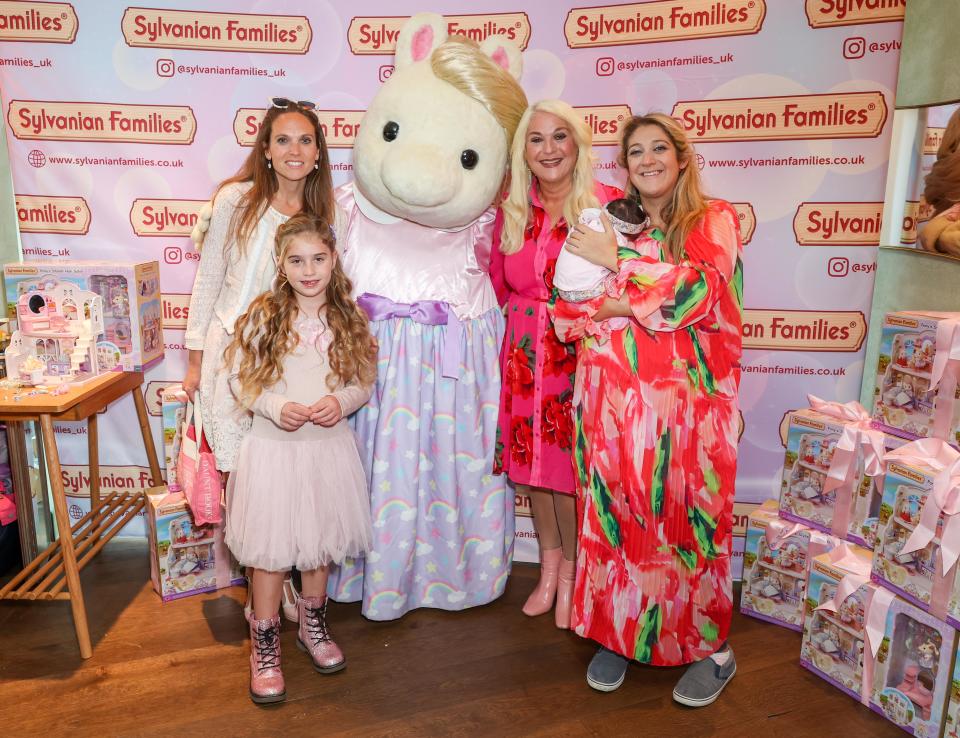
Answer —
185 559
775 559
912 575
133 336
951 728
173 404
903 403
911 674
812 439
833 637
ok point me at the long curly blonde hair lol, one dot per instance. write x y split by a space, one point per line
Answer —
516 206
264 334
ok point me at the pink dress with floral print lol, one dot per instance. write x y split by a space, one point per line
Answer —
535 432
656 448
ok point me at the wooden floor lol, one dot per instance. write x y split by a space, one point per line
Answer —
180 668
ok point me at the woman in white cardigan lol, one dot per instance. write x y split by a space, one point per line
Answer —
287 172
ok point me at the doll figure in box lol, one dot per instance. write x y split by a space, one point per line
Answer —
927 655
771 587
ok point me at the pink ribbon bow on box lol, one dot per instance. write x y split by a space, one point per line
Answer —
944 373
857 437
944 498
859 574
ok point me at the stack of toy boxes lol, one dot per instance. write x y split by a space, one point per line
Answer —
811 441
776 560
185 558
903 402
133 334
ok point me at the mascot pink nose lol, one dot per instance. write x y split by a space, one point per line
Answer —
420 175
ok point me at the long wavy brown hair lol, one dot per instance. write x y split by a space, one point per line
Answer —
264 334
942 186
688 203
317 191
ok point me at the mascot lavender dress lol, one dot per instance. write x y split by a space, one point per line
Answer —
415 239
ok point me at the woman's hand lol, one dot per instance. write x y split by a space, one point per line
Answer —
191 381
326 411
614 308
595 247
293 415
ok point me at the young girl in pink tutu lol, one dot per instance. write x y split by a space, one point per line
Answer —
300 363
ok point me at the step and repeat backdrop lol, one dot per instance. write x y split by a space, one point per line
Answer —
122 119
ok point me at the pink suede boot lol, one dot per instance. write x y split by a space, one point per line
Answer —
565 581
314 638
541 599
266 676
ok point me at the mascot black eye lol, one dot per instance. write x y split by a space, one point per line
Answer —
469 158
391 131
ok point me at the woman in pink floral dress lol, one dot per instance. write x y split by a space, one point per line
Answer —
551 182
656 431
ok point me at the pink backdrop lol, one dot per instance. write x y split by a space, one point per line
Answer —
140 112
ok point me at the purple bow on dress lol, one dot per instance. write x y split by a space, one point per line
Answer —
425 312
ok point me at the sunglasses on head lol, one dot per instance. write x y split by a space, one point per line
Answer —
284 103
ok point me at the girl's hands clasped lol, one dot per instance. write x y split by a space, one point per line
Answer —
326 411
293 415
595 247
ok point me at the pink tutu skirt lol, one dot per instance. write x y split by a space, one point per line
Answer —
298 503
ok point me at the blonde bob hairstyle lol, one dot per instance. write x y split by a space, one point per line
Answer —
688 204
460 62
516 206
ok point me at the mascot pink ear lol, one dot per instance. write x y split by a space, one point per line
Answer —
501 59
421 45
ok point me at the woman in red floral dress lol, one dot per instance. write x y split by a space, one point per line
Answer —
551 182
656 431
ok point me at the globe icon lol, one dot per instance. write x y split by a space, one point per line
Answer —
76 512
36 158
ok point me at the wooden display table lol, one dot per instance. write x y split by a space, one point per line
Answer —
59 566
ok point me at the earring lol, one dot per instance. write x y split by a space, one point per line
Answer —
269 164
316 165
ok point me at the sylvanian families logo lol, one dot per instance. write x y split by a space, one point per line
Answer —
164 217
808 422
204 31
748 220
827 13
605 121
905 472
741 515
932 140
521 505
803 330
378 34
903 321
914 213
153 394
836 223
89 121
176 309
836 115
51 214
340 127
49 23
670 20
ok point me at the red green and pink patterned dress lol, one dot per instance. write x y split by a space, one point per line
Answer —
656 449
535 432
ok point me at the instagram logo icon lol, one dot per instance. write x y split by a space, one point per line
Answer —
386 71
173 254
838 266
605 66
166 68
854 47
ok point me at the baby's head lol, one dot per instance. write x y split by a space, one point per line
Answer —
626 216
